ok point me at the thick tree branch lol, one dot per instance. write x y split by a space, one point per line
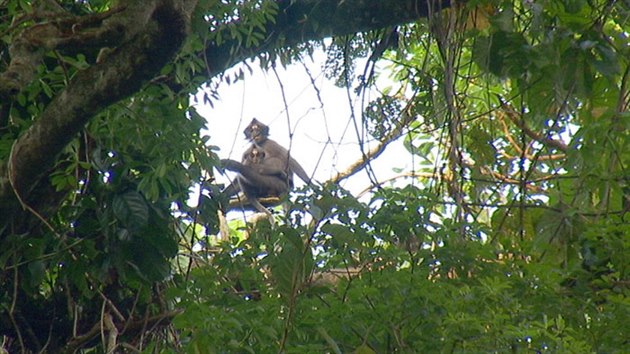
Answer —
301 21
28 49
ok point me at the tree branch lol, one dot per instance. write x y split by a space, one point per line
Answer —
162 319
302 21
395 133
28 48
515 118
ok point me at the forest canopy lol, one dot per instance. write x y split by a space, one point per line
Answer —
507 231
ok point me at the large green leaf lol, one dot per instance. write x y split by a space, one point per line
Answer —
131 209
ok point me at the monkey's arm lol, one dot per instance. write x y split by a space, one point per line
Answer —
270 167
233 165
234 187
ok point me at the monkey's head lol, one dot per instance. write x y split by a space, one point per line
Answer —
256 132
256 156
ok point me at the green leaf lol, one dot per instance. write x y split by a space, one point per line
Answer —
291 266
131 209
364 349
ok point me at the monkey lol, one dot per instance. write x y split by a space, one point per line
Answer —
266 169
258 177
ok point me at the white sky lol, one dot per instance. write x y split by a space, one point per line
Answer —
323 132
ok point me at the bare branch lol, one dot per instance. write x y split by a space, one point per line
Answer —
514 117
395 133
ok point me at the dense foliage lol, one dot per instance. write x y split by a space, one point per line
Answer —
510 234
